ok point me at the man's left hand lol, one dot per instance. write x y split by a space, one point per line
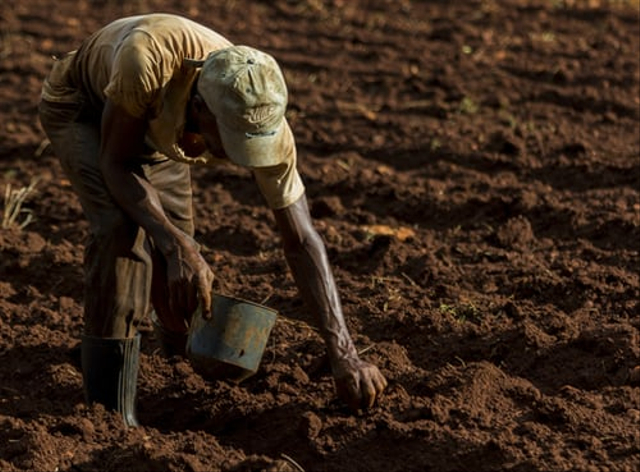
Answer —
358 383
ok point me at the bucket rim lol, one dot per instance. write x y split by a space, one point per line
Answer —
243 300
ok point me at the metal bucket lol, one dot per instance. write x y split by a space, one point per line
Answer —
229 346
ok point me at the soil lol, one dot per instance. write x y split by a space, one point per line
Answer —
474 168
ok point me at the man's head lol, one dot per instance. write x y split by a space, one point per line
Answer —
245 90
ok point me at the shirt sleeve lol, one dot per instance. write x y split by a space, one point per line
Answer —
281 185
137 78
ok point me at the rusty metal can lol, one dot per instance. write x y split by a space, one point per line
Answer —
229 345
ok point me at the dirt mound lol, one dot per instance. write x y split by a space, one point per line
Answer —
474 168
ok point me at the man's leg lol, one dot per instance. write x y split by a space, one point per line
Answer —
117 266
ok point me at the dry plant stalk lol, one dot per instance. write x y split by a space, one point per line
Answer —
13 200
289 459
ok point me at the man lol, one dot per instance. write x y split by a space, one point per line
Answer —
126 113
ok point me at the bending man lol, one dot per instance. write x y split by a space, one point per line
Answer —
126 114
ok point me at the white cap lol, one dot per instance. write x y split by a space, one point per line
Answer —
245 90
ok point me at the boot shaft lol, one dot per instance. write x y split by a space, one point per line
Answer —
110 374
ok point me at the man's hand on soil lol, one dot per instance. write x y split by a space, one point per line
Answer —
358 383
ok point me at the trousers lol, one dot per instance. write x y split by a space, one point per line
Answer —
124 274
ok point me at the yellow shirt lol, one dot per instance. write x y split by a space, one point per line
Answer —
138 63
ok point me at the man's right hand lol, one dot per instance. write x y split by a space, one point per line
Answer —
189 280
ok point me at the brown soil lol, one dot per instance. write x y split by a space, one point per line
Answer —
474 168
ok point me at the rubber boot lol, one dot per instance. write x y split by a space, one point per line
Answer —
110 374
171 343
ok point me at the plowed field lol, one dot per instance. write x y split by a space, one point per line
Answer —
474 168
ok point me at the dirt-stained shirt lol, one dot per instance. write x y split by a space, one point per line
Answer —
138 63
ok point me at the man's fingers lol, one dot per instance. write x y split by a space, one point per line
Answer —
380 382
368 394
372 386
377 380
205 304
204 289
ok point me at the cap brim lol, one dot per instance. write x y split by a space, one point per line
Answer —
264 150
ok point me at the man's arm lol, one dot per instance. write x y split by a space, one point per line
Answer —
122 138
358 383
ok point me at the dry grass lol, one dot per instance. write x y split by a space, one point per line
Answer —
13 206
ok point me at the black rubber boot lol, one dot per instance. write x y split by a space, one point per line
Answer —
110 374
171 343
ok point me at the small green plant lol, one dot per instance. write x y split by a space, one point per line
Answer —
462 312
468 106
13 201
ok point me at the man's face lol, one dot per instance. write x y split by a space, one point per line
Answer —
209 130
